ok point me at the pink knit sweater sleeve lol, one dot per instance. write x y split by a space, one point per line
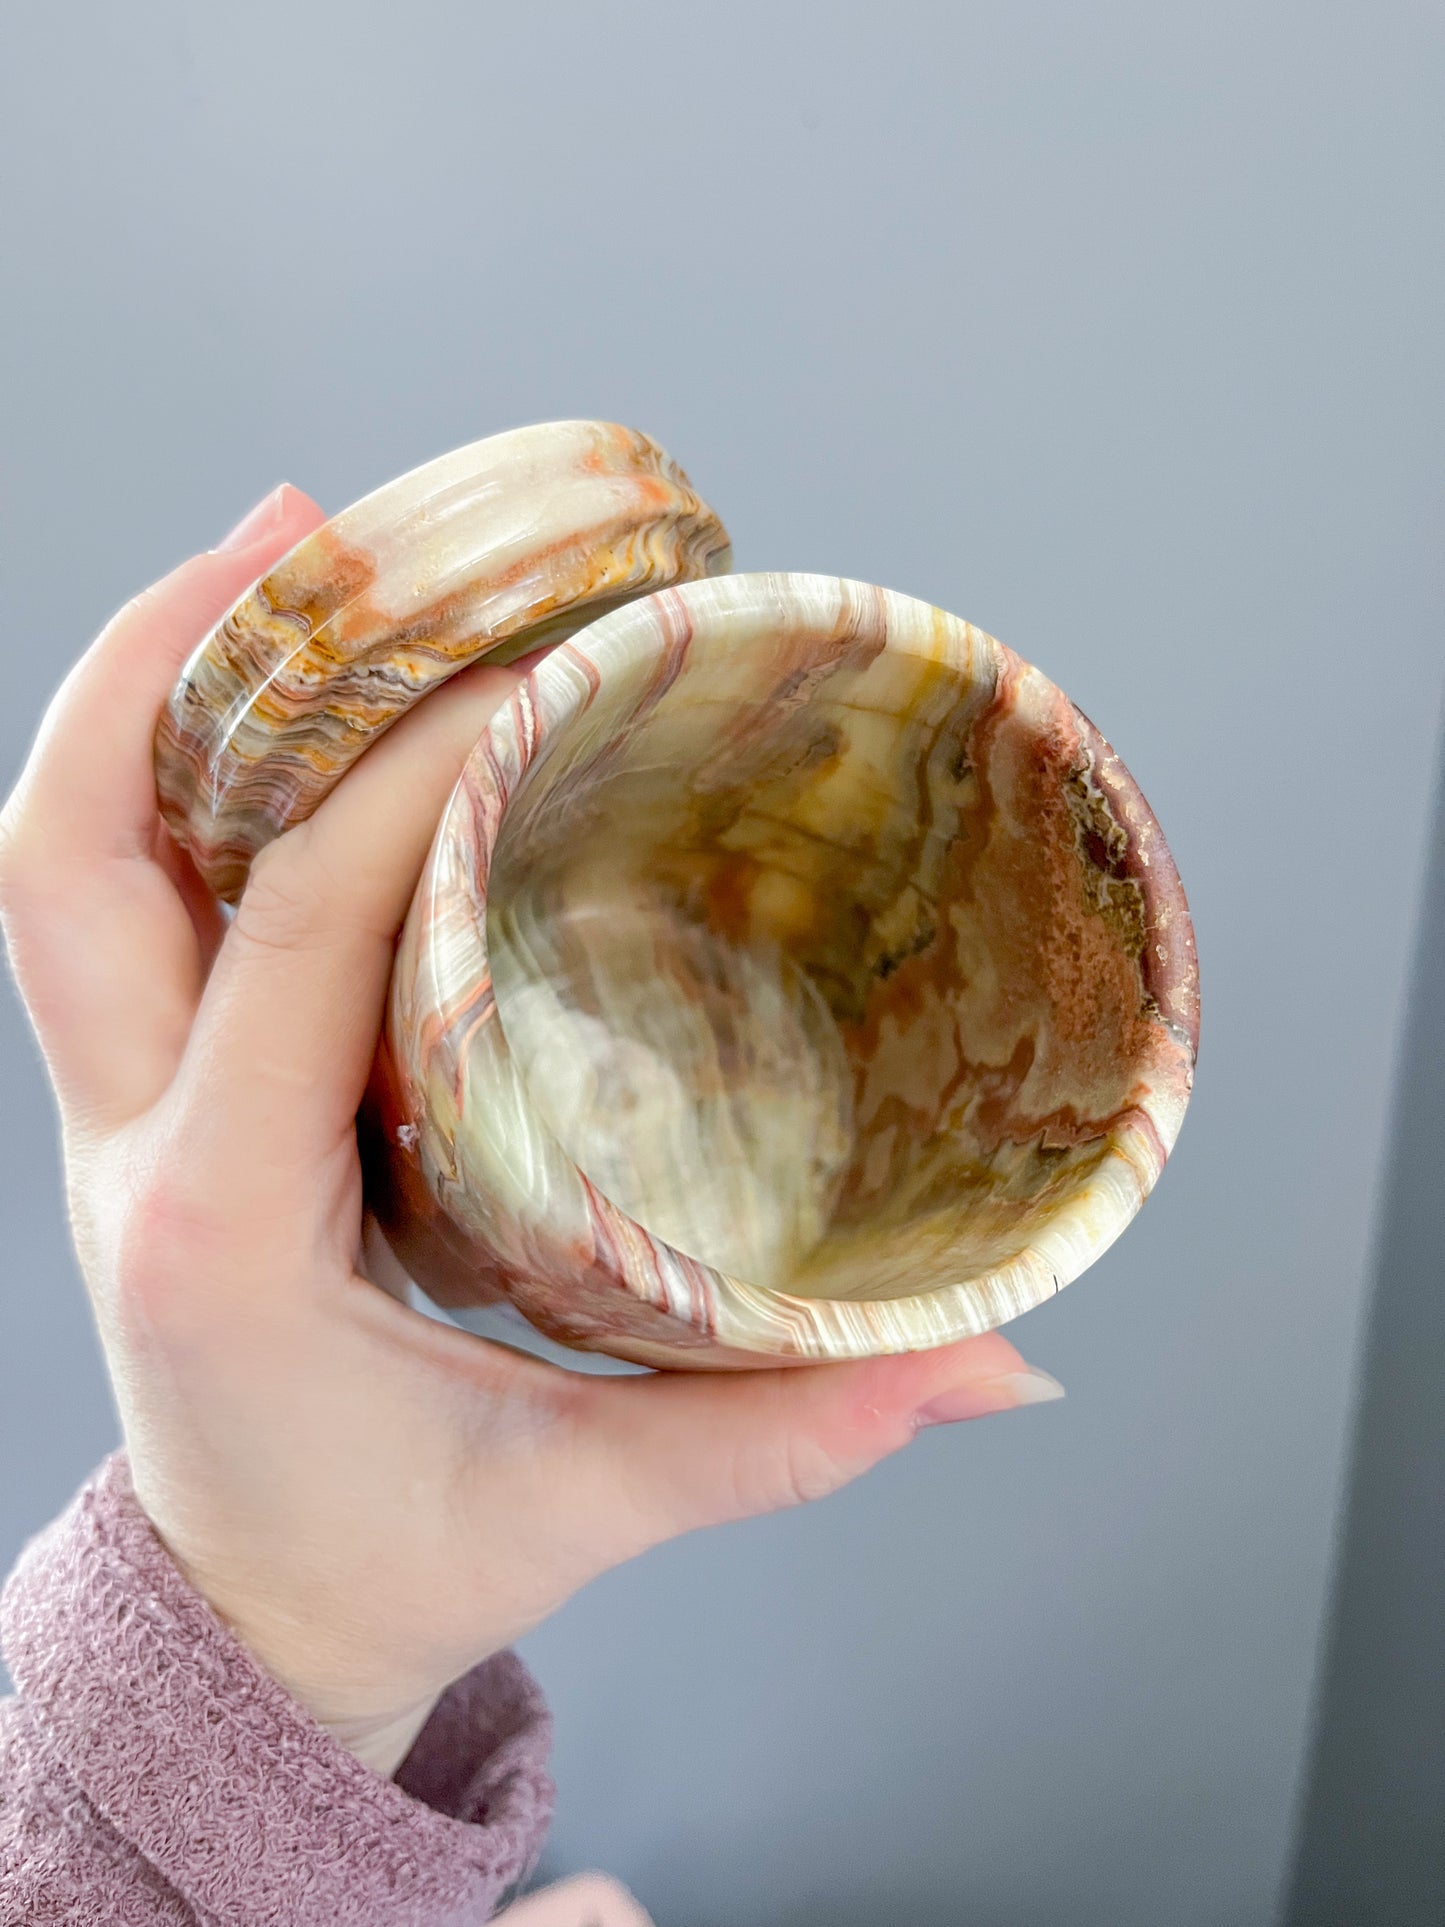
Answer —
152 1775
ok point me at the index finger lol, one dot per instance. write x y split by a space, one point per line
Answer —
88 789
103 946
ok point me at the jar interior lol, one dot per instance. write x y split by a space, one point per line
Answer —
827 976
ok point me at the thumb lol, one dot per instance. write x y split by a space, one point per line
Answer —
692 1450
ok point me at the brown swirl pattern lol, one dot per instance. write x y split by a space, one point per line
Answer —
797 974
498 548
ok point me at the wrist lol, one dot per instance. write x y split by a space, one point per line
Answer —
381 1744
374 1718
350 1694
363 1708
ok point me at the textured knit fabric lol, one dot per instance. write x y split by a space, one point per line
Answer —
152 1775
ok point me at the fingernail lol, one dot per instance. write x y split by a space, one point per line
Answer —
986 1395
255 522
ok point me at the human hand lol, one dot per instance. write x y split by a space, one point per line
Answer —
374 1500
586 1900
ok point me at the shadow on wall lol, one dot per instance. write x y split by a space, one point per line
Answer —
1372 1835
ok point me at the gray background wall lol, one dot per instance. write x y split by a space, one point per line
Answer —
1112 327
1372 1841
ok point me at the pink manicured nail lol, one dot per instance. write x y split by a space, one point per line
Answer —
985 1395
255 522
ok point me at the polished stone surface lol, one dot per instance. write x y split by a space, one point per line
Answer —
796 974
496 548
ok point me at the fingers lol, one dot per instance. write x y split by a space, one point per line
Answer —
104 948
761 1440
89 786
288 1023
587 1900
